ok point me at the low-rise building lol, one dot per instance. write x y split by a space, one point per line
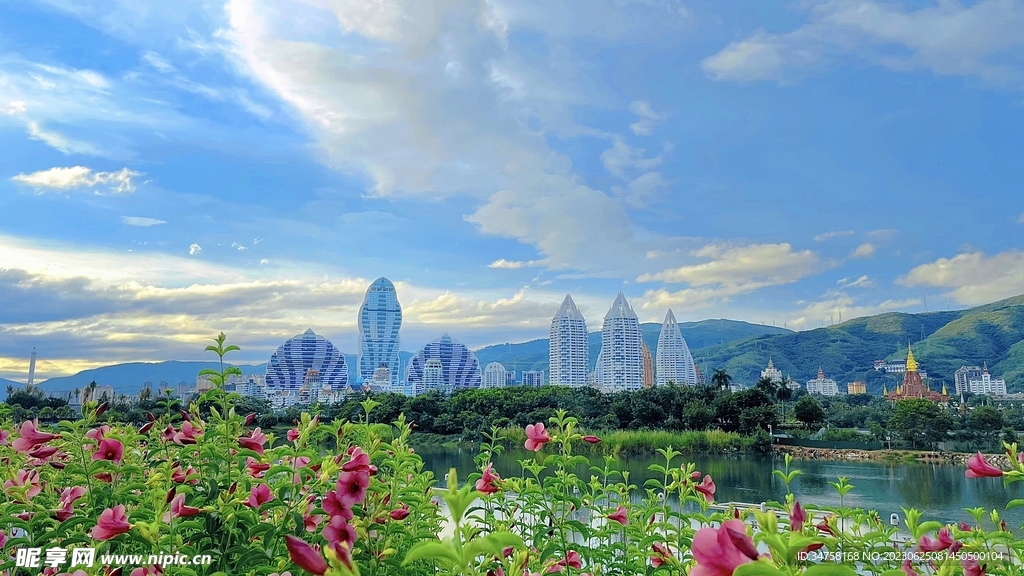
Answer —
963 376
822 385
987 384
856 387
533 377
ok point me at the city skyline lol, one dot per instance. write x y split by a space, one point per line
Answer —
250 166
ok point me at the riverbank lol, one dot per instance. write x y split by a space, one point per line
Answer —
957 458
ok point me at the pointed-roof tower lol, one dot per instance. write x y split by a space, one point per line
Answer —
674 361
568 309
620 309
621 359
568 346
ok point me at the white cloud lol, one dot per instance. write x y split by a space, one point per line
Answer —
648 118
762 264
981 39
832 234
79 177
883 235
1020 219
622 157
973 278
512 264
838 304
195 249
264 261
157 61
861 282
15 107
59 141
865 250
141 221
237 246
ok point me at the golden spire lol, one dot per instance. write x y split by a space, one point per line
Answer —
911 363
885 390
944 393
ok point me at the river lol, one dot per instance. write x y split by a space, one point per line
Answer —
940 491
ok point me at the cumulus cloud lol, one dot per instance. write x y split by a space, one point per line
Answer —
195 249
839 304
79 177
973 278
980 39
141 221
648 118
760 263
865 250
832 234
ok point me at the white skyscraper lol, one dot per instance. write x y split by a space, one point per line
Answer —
568 350
674 362
495 375
620 364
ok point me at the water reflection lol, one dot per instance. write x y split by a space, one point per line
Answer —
940 491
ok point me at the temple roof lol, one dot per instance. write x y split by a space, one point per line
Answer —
911 363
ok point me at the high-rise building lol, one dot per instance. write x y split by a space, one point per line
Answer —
986 384
495 375
963 376
433 377
675 364
648 377
620 364
822 385
568 350
380 319
459 366
533 377
290 365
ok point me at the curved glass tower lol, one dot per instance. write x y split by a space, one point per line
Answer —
674 362
380 318
459 367
305 355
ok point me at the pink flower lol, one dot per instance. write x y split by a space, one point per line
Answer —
945 540
591 439
154 570
255 468
259 495
359 461
707 488
187 434
42 452
98 434
977 467
109 449
188 476
113 521
400 513
4 437
662 554
797 517
31 436
249 419
352 487
305 556
719 551
536 436
908 569
180 510
25 485
143 430
1020 456
339 530
310 520
486 483
619 515
572 559
971 567
824 527
333 506
67 502
168 433
292 435
254 441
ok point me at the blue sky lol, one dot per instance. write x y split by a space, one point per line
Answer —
171 170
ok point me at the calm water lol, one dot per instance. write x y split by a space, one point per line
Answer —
940 491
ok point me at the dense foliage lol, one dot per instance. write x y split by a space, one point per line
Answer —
351 497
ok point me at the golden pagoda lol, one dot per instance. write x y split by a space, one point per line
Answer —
913 385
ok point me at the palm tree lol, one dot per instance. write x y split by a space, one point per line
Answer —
721 378
784 393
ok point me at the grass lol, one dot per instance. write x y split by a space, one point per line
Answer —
615 442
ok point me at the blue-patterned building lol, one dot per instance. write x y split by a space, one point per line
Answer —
459 367
307 359
380 319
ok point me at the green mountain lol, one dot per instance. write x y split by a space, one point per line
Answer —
942 342
533 355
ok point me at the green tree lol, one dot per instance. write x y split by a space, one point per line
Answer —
809 411
721 379
920 422
985 419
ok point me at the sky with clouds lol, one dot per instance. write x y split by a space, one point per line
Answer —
171 170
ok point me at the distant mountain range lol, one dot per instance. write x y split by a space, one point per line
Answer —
942 341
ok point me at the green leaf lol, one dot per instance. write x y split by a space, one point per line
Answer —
757 569
1014 503
431 551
